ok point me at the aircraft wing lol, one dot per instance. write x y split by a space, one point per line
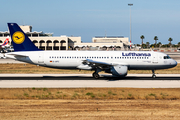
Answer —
92 62
101 65
14 56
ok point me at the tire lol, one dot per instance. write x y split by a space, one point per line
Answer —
96 75
153 76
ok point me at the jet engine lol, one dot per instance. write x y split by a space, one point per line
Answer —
119 70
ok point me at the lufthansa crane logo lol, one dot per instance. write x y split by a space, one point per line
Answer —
18 37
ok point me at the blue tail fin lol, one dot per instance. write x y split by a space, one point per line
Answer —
20 40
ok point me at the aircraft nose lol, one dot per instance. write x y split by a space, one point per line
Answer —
173 63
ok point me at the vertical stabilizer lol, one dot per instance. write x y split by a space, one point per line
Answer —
6 41
20 40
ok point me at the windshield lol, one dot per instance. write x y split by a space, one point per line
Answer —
167 57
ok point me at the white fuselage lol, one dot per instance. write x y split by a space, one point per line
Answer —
137 60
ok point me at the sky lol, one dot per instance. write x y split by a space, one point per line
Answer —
90 18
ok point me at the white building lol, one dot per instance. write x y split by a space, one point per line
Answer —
46 41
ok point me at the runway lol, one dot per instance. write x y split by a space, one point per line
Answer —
86 80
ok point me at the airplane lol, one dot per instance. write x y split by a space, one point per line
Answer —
5 47
5 44
115 62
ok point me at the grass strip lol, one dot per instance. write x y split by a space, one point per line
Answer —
91 93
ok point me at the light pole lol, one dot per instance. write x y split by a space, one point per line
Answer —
130 25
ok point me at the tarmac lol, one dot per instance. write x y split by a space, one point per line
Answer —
86 81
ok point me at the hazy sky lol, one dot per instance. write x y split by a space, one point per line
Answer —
89 18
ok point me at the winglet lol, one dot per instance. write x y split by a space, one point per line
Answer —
20 40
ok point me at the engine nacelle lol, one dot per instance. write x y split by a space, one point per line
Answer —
119 70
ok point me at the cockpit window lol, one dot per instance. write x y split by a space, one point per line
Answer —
167 57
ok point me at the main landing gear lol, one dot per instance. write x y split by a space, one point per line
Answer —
95 74
153 74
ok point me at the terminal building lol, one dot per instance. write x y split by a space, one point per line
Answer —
46 41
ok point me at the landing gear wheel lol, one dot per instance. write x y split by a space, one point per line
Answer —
95 75
154 76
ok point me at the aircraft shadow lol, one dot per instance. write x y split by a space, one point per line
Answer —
109 78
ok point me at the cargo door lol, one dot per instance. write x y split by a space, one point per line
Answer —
41 58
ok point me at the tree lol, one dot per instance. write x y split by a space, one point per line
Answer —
170 39
147 44
142 37
155 38
159 44
178 44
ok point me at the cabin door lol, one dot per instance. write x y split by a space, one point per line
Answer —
155 58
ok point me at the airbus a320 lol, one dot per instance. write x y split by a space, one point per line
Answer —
115 62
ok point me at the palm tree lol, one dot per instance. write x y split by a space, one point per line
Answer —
142 37
170 39
155 38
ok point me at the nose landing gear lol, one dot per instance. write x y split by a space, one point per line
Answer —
153 74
